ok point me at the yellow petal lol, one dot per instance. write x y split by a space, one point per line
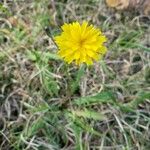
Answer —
82 43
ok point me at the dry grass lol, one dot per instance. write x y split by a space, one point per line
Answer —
47 105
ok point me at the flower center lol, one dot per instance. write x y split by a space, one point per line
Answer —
81 42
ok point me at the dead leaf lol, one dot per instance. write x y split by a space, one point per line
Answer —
15 21
147 7
112 3
118 4
141 5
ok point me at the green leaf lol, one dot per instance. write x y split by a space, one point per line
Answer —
80 123
35 127
140 99
31 55
43 56
50 85
103 97
88 114
75 84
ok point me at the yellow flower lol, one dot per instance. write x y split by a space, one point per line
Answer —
82 43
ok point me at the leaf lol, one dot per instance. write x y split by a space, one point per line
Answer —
31 55
35 127
88 114
4 10
140 5
147 7
75 83
44 56
131 106
102 97
112 3
50 85
43 107
14 21
79 123
118 4
141 97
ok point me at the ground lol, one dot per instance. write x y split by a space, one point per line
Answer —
46 104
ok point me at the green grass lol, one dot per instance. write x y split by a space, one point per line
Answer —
46 104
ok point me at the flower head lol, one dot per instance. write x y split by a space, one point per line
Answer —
82 43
